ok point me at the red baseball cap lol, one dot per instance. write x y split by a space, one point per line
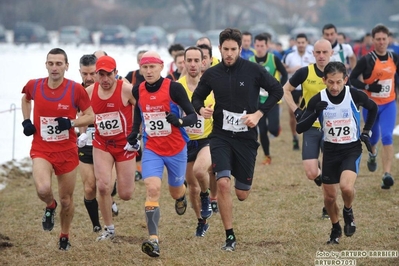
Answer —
105 63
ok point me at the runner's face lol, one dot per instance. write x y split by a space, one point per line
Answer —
230 52
151 72
335 82
381 42
301 44
106 79
260 48
193 63
207 60
246 41
322 53
56 66
330 34
88 74
180 63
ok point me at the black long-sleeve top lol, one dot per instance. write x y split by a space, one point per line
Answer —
177 93
236 89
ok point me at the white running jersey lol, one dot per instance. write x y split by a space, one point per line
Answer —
340 122
294 59
341 53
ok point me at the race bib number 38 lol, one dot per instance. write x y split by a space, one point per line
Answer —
234 122
156 124
49 130
109 124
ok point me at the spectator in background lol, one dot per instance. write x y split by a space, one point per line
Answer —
179 62
364 47
247 50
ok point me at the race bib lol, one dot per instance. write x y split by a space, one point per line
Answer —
90 135
156 124
109 124
338 130
49 130
234 122
198 127
386 89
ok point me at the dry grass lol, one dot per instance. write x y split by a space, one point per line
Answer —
279 224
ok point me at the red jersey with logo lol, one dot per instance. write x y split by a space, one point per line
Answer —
49 104
160 136
113 120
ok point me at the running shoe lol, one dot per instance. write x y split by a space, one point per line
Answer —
64 244
48 218
138 176
230 244
334 236
201 229
107 234
214 206
206 208
350 226
150 247
115 210
181 205
267 160
387 181
372 162
324 214
295 144
96 229
318 181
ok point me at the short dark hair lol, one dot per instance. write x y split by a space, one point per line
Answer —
179 53
175 47
230 34
262 37
328 26
196 48
301 35
59 51
88 60
246 33
334 67
204 46
342 34
379 28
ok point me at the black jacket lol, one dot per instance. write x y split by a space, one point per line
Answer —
236 89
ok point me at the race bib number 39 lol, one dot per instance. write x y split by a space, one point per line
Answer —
109 124
156 124
49 130
234 122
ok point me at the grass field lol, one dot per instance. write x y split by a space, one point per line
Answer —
279 224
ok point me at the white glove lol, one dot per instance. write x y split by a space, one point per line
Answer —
134 147
82 140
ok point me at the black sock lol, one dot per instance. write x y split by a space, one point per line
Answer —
230 232
336 226
202 221
204 194
92 209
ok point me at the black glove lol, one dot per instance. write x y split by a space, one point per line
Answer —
298 114
29 128
320 106
133 138
63 123
173 119
366 139
375 87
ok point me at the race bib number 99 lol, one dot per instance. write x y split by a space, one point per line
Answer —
49 130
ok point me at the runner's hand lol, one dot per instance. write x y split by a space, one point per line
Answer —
29 128
366 139
82 140
63 123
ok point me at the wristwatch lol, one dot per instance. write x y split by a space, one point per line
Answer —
366 87
72 123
